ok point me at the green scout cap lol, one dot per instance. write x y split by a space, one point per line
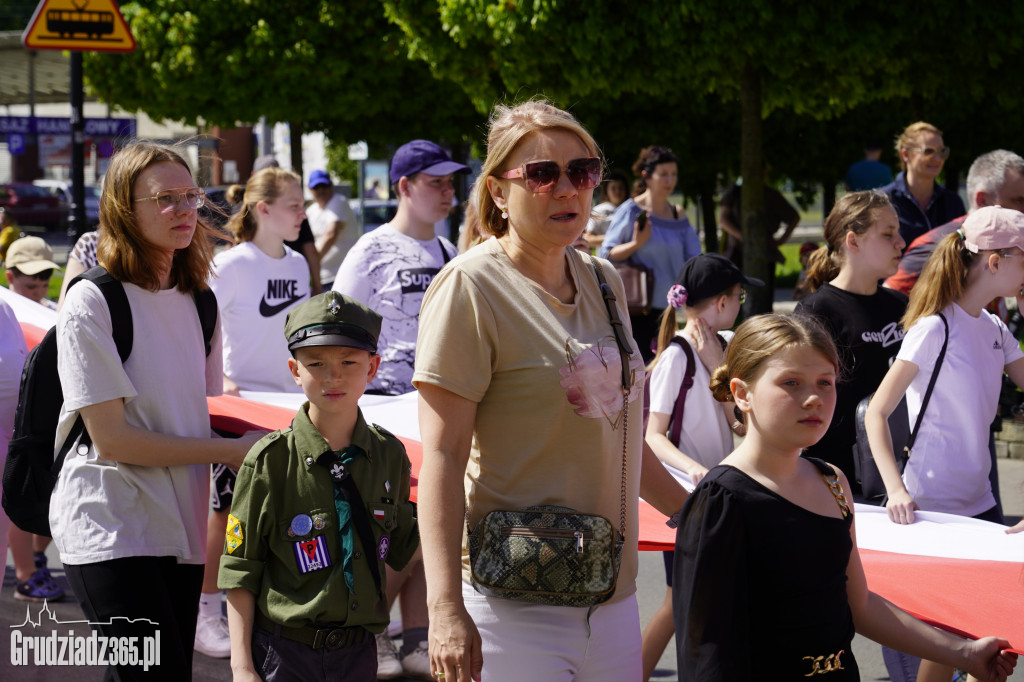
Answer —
332 319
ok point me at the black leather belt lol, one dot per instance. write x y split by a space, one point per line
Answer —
316 638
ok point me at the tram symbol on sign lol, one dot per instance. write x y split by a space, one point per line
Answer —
86 25
79 20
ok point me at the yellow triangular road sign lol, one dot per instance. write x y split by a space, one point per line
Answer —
83 25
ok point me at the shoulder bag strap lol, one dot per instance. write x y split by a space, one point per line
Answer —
444 252
679 410
931 385
625 352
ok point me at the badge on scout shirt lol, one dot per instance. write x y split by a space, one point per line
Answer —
383 546
300 525
311 555
319 521
233 535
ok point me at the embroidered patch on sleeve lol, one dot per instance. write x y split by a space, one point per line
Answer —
311 555
233 535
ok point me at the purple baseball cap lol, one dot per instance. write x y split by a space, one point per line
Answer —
422 156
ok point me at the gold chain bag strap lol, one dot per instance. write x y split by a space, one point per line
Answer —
555 555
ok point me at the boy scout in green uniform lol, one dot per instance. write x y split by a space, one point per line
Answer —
319 508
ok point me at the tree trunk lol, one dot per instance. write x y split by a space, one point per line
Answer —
295 131
707 206
828 197
758 254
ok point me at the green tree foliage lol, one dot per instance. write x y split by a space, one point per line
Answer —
331 65
824 77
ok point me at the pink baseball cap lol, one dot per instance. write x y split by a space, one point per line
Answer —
993 228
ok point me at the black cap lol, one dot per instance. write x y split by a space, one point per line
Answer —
709 274
332 319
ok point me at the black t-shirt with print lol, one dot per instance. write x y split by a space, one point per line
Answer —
867 334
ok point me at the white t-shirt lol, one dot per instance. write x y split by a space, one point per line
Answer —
389 272
254 294
949 464
104 510
601 218
12 359
705 436
337 209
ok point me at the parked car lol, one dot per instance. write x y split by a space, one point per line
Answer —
62 190
378 211
31 206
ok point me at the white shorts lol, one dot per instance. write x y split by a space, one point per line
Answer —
556 643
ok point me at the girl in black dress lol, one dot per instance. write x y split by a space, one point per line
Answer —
768 581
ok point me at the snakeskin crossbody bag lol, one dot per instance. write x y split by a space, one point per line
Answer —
555 555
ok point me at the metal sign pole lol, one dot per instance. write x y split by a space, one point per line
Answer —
76 221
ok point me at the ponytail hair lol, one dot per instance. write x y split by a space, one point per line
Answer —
266 185
942 281
666 330
854 212
762 337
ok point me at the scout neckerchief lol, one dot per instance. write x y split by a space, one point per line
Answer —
351 512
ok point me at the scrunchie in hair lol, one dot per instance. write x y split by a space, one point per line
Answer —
677 296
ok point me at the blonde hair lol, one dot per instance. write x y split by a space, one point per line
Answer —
943 279
760 338
508 127
470 235
908 138
854 212
266 185
124 250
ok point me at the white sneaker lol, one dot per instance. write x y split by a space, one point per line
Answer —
212 637
395 628
416 663
388 665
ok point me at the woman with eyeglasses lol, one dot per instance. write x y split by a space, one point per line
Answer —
521 399
920 201
129 509
661 239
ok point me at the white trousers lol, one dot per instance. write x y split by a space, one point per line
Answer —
556 643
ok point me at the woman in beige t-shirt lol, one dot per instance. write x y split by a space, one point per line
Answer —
521 397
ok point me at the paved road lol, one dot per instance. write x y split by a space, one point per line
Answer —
651 592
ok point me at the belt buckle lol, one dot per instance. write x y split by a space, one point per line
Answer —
337 638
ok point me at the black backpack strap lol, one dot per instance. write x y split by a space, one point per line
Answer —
931 385
117 303
676 423
206 306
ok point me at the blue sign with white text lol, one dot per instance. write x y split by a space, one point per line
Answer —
46 125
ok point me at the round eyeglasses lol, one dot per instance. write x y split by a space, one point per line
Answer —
172 198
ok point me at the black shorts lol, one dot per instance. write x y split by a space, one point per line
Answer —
222 487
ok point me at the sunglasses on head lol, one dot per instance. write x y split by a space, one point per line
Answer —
542 176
